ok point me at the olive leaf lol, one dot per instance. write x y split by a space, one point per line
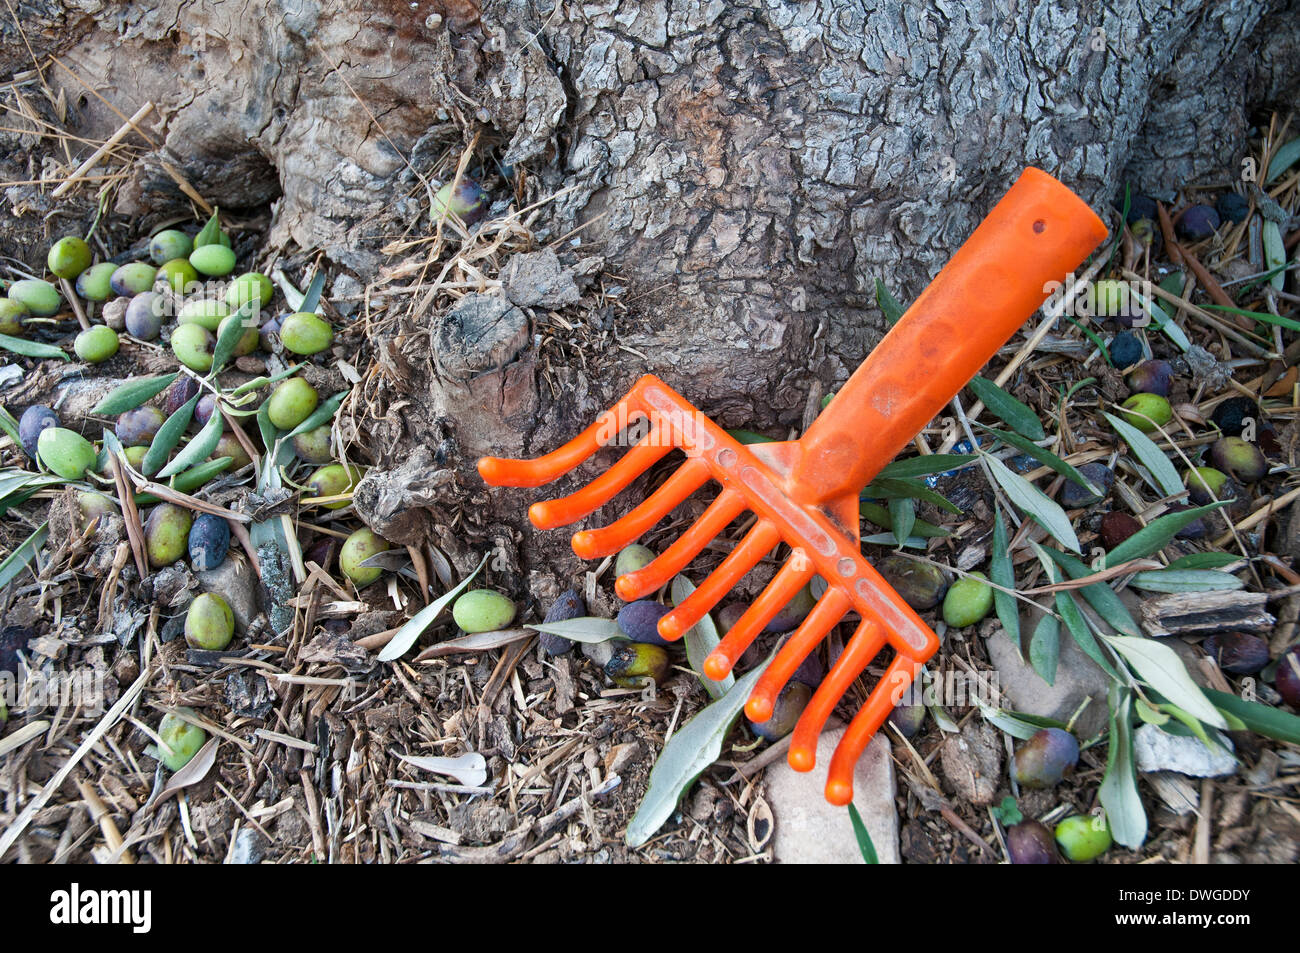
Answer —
1046 512
197 449
1184 580
701 639
888 304
259 382
1274 253
865 846
31 348
132 394
1045 457
1045 648
228 338
689 752
10 426
1150 456
1161 668
190 479
875 513
1099 595
1003 574
1119 793
1017 724
168 436
1017 415
311 298
924 466
405 637
1157 534
1205 561
1283 159
17 561
902 513
588 629
1261 719
210 233
890 488
1161 321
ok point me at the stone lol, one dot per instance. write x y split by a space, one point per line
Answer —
234 580
1157 750
811 831
1077 677
972 762
248 848
537 279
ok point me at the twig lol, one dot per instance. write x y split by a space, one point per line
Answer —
122 132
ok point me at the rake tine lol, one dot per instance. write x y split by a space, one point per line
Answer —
789 578
758 542
604 540
839 781
862 648
728 505
828 611
501 471
549 514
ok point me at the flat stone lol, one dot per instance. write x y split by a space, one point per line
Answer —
972 762
248 848
537 279
1157 750
808 830
1077 677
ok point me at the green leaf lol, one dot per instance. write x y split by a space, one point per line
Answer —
1161 321
1006 408
1267 318
190 480
1008 812
258 382
1017 724
1184 580
1045 457
748 437
17 561
701 639
865 847
229 338
132 394
1204 561
1261 719
311 298
1274 253
588 628
1161 668
1099 595
887 539
31 348
1150 456
210 233
168 436
320 416
1157 534
689 752
926 465
1119 793
877 514
197 449
1194 725
1151 716
415 626
10 426
1045 648
1046 512
888 304
902 512
889 488
1285 157
1002 573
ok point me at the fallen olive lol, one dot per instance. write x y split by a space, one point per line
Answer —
785 714
1083 838
169 245
969 600
305 333
482 610
12 315
357 548
1117 527
1197 223
291 403
248 341
1287 678
251 287
729 615
138 427
1043 760
908 719
1231 415
1139 206
1241 653
632 663
631 558
166 533
1146 412
134 456
34 420
193 345
67 453
68 257
39 297
639 621
228 445
570 605
921 585
334 480
1205 485
1152 377
179 394
133 279
1030 842
144 315
94 506
209 623
96 344
1125 349
1073 496
204 408
204 312
208 542
793 612
1108 298
178 274
216 260
181 739
270 334
96 282
1232 207
313 446
1238 458
464 199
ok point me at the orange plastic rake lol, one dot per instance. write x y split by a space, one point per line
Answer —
805 492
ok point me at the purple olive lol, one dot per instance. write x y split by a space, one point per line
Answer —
907 719
1231 415
1238 458
466 200
1043 760
144 316
1125 349
570 605
35 419
1198 223
1196 529
639 621
179 394
1238 652
789 706
1029 842
269 333
1152 377
1287 679
1117 527
921 585
1073 496
1232 207
1139 206
138 427
729 615
203 409
132 279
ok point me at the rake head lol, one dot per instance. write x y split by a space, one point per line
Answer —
805 492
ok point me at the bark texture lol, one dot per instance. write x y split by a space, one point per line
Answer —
748 168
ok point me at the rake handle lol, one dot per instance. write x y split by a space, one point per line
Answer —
1037 234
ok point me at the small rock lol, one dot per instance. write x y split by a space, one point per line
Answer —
539 280
248 697
1074 496
1157 750
972 762
234 580
811 831
248 848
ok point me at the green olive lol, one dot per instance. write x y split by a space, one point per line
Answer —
216 261
1083 838
182 739
248 341
170 244
314 445
1147 411
204 312
39 297
252 287
193 345
12 314
209 623
357 548
482 610
96 344
291 403
167 534
305 333
631 558
66 452
969 600
68 257
334 480
179 275
96 282
133 279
